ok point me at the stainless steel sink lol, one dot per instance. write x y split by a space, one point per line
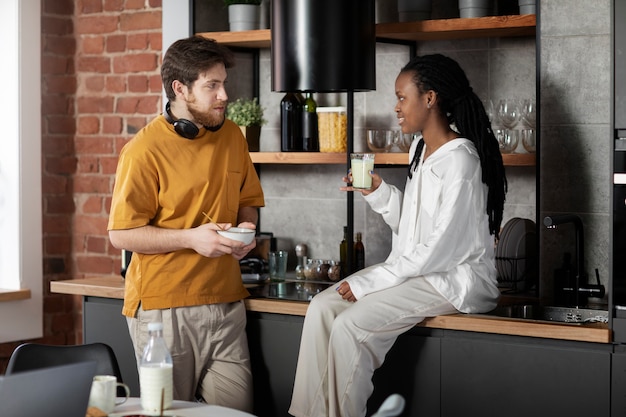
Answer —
546 313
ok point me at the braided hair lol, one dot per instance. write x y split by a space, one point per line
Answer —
466 111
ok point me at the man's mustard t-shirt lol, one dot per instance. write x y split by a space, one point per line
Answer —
167 181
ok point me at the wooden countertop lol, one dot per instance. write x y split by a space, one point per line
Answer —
113 287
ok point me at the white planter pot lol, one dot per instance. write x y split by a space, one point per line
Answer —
527 6
244 17
474 8
412 10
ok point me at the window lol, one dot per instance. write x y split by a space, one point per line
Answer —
20 169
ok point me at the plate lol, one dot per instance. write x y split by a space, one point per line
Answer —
520 241
501 264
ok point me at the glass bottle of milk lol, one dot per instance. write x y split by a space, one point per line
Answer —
156 372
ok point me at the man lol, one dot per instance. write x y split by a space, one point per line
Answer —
186 162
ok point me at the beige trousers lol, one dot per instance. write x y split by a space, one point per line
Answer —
343 343
209 350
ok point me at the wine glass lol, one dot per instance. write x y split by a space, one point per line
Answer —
529 114
529 140
508 112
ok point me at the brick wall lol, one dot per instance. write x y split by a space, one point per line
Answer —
100 85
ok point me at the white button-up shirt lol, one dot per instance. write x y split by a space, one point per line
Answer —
440 231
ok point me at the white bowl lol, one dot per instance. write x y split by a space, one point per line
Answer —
239 233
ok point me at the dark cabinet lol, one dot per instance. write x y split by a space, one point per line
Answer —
439 372
485 375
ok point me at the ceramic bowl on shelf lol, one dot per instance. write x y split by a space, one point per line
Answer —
239 233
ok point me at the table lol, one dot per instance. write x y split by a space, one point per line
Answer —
132 407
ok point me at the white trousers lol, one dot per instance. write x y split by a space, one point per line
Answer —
343 343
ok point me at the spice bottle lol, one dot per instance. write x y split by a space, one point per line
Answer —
359 253
156 379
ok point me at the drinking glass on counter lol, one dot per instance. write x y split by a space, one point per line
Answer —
278 265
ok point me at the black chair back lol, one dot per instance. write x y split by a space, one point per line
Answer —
32 356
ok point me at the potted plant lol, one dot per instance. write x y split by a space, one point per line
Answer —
248 115
243 14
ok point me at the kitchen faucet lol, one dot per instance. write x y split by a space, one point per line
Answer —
551 222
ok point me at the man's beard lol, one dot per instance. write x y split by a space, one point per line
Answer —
208 119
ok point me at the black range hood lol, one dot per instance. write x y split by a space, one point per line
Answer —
323 45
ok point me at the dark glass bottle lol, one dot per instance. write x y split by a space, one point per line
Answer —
291 123
359 253
310 141
343 253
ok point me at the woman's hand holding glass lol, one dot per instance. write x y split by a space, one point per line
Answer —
376 181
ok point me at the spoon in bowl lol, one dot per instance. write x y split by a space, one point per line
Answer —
211 220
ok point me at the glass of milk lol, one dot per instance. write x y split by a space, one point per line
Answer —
361 164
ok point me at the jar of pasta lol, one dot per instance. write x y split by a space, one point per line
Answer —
332 127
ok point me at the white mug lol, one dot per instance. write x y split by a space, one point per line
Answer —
103 393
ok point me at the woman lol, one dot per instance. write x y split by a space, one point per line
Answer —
442 257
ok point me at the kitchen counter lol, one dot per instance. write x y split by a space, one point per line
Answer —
113 287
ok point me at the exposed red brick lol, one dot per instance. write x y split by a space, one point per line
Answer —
100 64
116 83
92 205
56 104
156 41
113 5
89 225
97 244
90 6
55 145
156 85
96 24
140 104
93 45
61 45
138 42
63 7
60 204
135 63
55 245
63 165
59 84
100 265
90 104
94 83
108 165
112 125
53 184
90 184
134 4
56 26
61 124
88 165
54 64
94 145
116 43
88 124
138 84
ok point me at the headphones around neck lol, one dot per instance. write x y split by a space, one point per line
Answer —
184 127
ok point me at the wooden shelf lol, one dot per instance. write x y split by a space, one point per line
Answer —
296 158
476 27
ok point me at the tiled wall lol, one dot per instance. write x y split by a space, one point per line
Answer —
576 136
304 203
